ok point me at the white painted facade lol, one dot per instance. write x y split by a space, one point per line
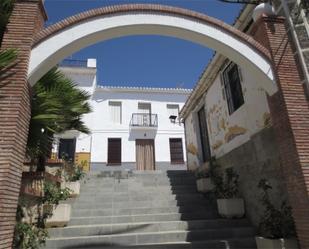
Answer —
103 124
226 131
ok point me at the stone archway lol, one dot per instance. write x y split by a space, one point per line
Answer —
40 49
55 43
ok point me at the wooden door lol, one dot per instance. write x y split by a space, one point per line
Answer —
145 154
204 134
114 151
176 151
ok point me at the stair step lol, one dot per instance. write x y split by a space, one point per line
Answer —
153 226
167 190
146 204
243 243
88 220
153 210
138 196
148 238
141 210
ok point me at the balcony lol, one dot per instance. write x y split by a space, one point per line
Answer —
144 120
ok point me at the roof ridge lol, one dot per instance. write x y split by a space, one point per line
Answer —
144 87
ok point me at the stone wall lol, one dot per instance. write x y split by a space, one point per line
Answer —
254 160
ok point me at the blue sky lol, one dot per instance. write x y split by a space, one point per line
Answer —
153 61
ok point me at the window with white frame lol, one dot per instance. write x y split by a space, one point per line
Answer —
173 112
115 111
231 78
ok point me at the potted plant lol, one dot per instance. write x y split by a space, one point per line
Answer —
226 190
73 176
203 182
276 228
57 214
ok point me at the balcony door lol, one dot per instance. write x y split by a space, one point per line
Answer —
145 110
145 154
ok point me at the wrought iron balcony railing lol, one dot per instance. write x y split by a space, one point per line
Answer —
144 120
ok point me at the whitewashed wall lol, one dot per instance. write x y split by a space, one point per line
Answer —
102 127
227 132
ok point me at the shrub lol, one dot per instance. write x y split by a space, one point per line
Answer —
226 185
276 223
28 236
76 174
54 194
202 174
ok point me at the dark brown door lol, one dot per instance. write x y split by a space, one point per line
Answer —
204 134
145 154
114 151
176 151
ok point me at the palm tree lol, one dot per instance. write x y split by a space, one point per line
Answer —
57 106
6 7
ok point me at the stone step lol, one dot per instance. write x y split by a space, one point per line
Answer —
125 189
136 197
153 226
123 173
98 201
133 192
95 220
128 239
145 204
210 212
243 243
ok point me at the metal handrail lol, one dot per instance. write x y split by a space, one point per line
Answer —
144 120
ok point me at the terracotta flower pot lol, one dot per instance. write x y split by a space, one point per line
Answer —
264 243
231 208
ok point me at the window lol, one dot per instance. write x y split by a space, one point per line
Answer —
144 108
173 112
231 79
115 112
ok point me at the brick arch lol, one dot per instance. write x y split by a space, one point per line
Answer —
74 33
289 105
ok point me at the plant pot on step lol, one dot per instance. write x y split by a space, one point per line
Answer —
265 243
58 215
204 185
231 208
74 187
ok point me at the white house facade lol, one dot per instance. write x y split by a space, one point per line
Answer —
131 127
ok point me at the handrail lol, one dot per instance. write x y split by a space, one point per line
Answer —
144 120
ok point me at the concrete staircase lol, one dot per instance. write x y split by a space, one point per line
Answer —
147 210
